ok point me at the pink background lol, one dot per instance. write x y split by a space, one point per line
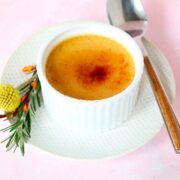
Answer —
19 19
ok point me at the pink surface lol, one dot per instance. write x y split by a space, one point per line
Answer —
19 19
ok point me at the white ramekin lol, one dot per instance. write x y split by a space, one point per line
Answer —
93 115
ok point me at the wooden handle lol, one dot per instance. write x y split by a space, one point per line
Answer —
164 105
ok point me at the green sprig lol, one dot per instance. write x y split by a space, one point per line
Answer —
20 128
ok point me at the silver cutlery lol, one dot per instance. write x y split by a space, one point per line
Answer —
130 16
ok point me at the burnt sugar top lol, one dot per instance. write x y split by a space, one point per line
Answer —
90 67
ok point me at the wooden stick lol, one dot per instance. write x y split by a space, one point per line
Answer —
168 114
2 115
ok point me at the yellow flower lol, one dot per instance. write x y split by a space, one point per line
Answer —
9 98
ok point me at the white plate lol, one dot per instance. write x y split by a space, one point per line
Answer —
143 125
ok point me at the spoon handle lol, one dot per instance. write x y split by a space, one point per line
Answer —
168 114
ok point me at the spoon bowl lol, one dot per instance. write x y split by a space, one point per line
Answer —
128 15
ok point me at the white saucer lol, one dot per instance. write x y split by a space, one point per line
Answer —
144 124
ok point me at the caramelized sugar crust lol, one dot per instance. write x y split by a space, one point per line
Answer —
90 67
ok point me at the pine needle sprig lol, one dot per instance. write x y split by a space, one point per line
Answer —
21 118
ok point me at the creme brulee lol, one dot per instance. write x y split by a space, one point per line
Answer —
90 67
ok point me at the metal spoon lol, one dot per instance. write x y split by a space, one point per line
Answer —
130 16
